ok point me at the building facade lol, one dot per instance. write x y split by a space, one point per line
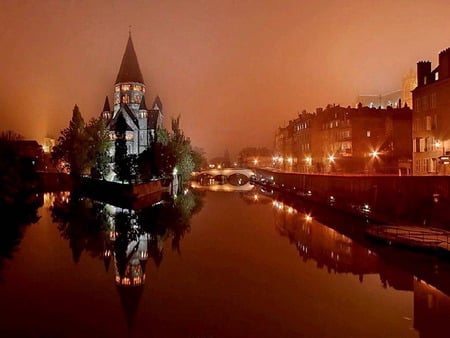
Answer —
431 117
130 118
336 139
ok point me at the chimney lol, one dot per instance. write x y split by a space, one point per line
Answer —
444 64
423 72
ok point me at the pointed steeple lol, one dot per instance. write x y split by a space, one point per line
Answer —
143 106
129 68
106 107
157 104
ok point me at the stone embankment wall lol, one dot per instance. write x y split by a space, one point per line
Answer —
127 195
421 200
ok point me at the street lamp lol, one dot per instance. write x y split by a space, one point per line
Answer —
331 160
308 161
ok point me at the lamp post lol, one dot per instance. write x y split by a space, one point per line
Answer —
331 161
308 161
374 156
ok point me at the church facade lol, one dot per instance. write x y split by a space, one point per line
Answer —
130 118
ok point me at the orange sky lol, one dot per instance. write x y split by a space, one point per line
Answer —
233 70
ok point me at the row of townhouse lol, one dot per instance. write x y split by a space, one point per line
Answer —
431 118
369 140
339 139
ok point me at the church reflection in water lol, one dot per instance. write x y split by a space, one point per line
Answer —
338 253
124 238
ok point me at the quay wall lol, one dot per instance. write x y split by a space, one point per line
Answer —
127 195
420 200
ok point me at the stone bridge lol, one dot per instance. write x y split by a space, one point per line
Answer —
233 176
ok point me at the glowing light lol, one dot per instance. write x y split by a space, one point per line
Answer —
308 160
331 158
374 154
308 218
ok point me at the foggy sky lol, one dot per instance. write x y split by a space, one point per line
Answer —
233 70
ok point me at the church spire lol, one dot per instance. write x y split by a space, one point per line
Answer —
106 107
129 68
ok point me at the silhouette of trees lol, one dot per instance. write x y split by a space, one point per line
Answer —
18 178
82 149
171 150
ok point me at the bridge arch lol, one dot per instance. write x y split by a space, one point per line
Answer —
234 176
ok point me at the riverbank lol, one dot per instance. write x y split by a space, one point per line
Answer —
404 211
386 199
135 195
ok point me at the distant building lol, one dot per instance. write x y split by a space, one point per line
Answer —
347 140
130 118
409 84
431 117
395 99
29 149
391 99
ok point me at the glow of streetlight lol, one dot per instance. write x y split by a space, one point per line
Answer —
374 154
331 158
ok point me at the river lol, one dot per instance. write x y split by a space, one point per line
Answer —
211 264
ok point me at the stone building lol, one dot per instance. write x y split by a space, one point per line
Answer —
130 118
347 140
431 117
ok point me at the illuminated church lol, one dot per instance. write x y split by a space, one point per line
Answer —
130 118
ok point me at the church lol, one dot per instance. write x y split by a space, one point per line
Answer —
130 118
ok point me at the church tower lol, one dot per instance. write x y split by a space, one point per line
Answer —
129 106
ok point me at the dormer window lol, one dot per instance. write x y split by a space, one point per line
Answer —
125 87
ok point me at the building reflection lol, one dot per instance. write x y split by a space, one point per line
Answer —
124 238
431 310
340 254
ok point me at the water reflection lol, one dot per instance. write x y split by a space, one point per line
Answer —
338 253
16 216
128 238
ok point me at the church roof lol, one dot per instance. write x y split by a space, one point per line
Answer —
119 123
106 105
129 68
143 106
157 104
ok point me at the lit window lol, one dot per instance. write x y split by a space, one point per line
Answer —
368 133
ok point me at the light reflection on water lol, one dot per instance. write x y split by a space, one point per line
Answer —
212 264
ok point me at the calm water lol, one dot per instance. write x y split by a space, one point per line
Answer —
214 264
